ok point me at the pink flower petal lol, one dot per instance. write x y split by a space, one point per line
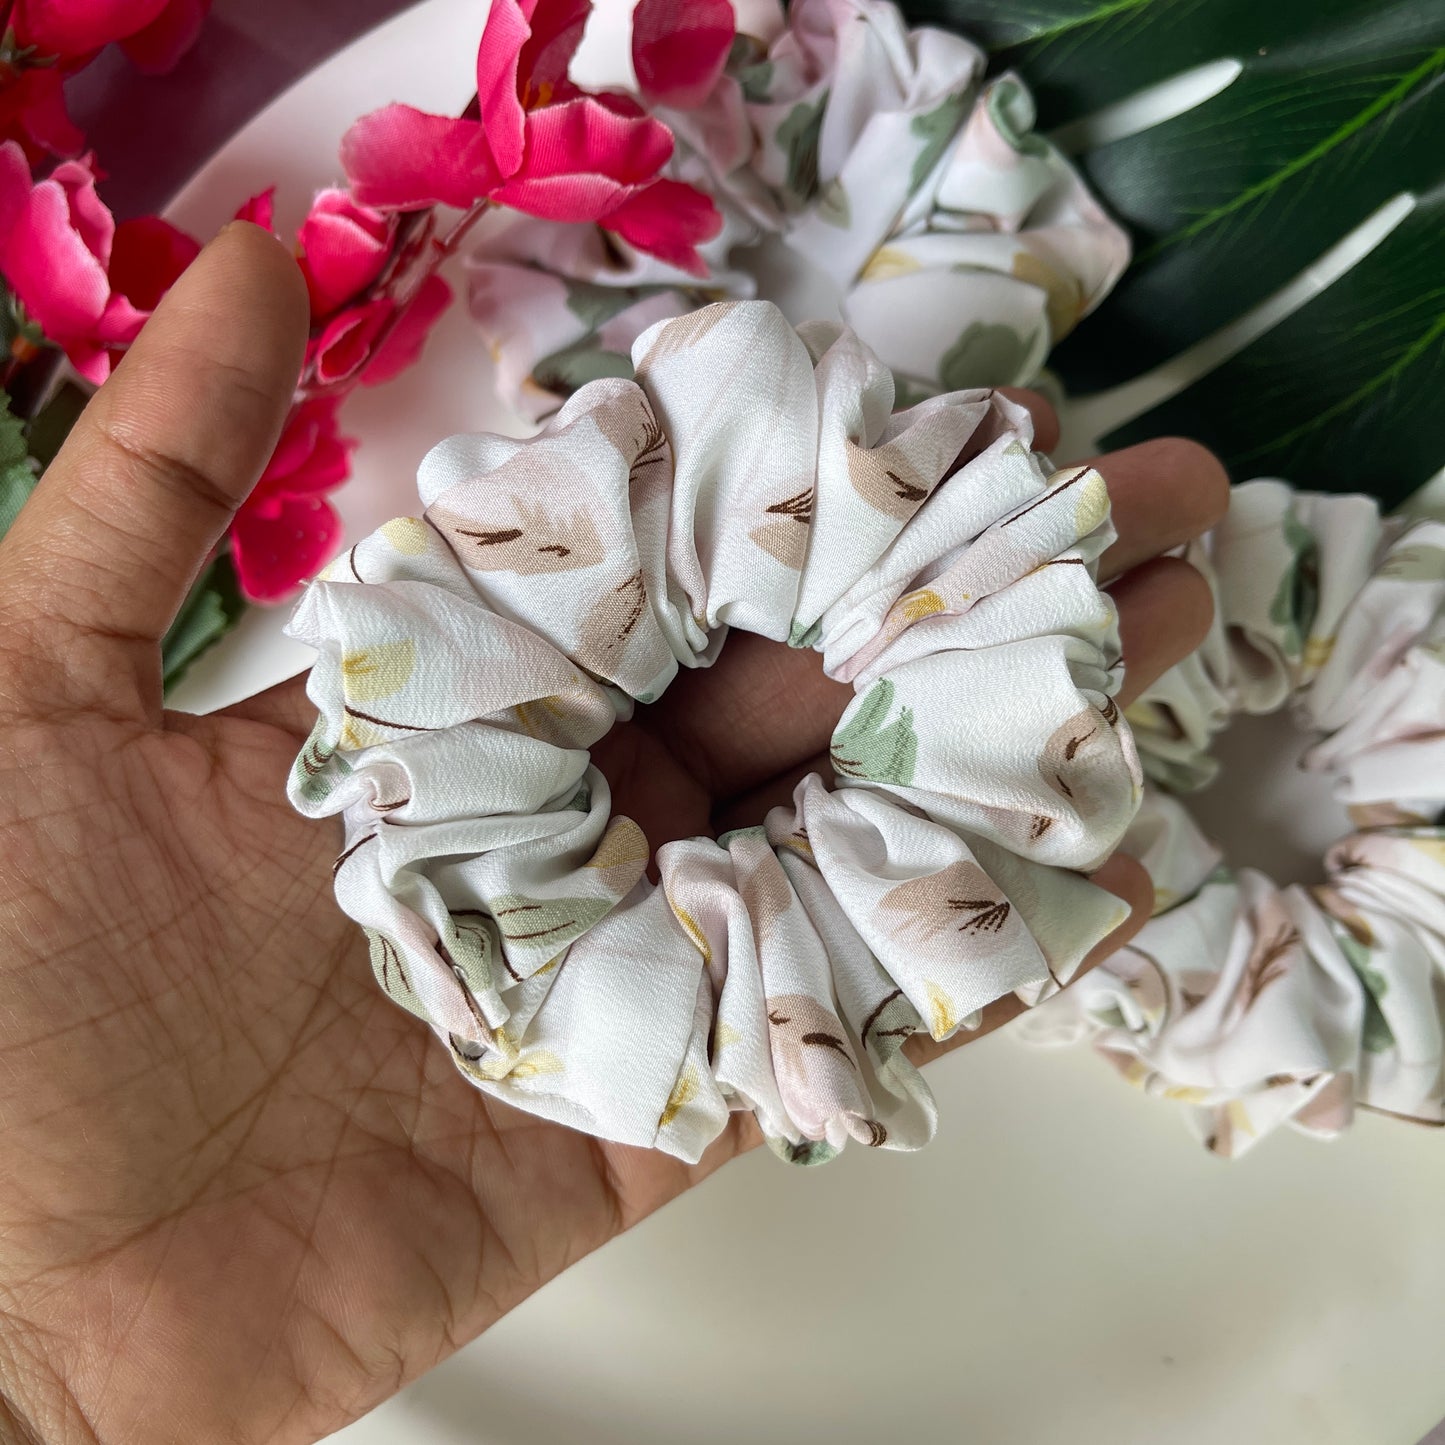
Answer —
157 48
498 103
60 281
564 198
557 27
284 531
344 247
668 220
73 28
402 159
33 113
89 215
403 344
679 48
147 259
260 210
15 186
345 346
583 157
277 545
310 423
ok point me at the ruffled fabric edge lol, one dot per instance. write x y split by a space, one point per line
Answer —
1256 1005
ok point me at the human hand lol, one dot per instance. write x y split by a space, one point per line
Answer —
242 1196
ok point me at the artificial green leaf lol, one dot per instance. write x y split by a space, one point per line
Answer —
1345 394
1338 108
53 424
17 473
213 606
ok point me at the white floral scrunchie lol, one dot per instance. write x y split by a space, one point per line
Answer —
1255 1004
964 246
755 477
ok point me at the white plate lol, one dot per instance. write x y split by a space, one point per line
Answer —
1063 1265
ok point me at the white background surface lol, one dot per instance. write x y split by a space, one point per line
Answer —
1063 1264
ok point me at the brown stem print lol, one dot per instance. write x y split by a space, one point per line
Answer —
609 627
1267 962
930 912
886 479
786 538
537 538
987 915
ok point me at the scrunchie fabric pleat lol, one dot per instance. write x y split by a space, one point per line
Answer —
1254 1004
874 154
755 477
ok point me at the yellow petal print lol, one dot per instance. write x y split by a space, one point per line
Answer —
683 1092
723 1035
1432 848
356 733
406 534
1317 651
888 262
1237 1112
1091 500
377 671
918 605
1065 302
623 843
942 1016
689 927
539 1061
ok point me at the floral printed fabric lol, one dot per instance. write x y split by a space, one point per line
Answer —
963 244
752 476
1254 1004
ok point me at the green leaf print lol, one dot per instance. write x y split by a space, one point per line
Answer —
386 964
469 943
810 1151
865 747
800 636
573 367
935 130
1293 607
756 80
985 355
317 768
1376 1035
549 924
798 136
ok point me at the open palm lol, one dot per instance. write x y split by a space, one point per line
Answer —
243 1197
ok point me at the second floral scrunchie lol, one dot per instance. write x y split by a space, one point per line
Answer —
1256 1004
752 476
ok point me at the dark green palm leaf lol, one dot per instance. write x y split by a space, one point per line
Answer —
1338 109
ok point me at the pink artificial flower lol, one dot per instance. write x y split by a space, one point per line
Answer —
56 238
157 31
365 341
88 284
679 49
33 114
539 144
285 530
344 248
